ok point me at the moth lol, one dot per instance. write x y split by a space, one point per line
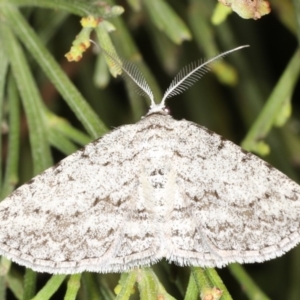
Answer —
160 188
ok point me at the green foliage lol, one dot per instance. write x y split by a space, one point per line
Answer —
42 108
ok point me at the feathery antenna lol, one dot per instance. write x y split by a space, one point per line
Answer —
182 81
133 73
190 74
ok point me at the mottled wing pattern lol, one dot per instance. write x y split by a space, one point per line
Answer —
81 214
159 188
241 209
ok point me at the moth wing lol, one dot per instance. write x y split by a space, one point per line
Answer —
237 207
76 216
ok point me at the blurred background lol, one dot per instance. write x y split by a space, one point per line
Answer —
50 107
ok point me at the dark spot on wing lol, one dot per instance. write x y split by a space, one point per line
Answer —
157 172
96 201
57 171
16 193
212 193
71 178
221 145
158 185
293 198
109 201
98 139
246 158
140 214
110 232
196 199
251 204
84 155
244 151
57 165
177 153
270 167
31 181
